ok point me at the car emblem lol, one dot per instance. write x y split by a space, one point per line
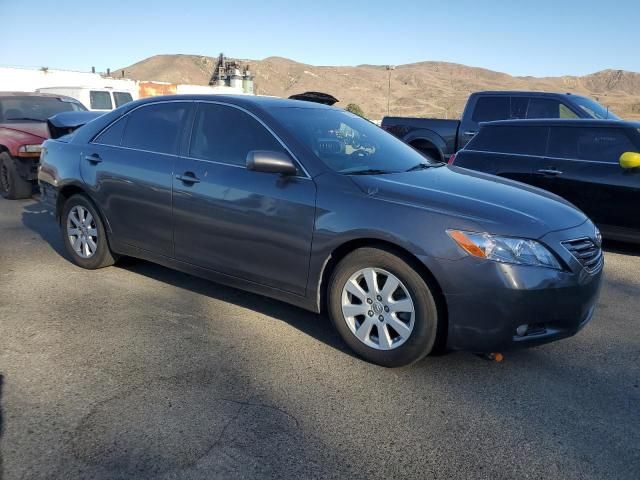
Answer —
598 238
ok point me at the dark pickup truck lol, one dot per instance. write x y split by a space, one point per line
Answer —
439 139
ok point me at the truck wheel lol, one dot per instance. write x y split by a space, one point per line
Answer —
84 235
382 308
12 185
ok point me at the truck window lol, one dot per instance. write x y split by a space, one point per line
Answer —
593 143
548 108
121 98
100 100
519 107
518 140
489 109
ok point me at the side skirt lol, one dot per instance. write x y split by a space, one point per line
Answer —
218 277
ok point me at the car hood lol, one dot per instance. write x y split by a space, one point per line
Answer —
35 129
476 200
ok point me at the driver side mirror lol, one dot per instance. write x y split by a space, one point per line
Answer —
630 160
270 162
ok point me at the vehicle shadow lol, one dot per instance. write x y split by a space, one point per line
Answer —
38 218
317 326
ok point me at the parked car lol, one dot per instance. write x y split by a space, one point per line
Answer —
94 98
595 164
439 139
317 207
22 130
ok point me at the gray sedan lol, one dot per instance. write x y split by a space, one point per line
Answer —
322 209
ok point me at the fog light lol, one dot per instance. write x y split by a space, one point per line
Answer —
522 330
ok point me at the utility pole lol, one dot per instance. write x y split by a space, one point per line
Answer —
389 68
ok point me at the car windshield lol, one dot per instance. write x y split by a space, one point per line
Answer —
349 144
594 109
34 108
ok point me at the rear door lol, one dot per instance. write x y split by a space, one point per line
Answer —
589 175
129 167
251 225
514 152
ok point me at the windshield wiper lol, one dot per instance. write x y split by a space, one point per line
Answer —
368 171
423 166
28 119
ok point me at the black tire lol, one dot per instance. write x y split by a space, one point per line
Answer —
12 185
102 256
425 328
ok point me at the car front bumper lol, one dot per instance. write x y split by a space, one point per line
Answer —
487 301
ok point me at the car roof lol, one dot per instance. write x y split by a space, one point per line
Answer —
30 94
568 122
259 101
525 92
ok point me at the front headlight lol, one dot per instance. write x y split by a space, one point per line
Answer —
29 150
519 251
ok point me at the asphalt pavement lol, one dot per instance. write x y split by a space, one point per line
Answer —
138 372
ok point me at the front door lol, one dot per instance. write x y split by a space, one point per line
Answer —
589 175
251 225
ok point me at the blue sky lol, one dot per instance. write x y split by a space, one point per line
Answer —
536 37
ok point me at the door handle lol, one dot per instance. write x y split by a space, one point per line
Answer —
550 171
188 177
470 133
93 159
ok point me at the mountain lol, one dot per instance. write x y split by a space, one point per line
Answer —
425 89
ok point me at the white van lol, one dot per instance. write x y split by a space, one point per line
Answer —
99 99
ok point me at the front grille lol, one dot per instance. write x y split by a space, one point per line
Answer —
586 252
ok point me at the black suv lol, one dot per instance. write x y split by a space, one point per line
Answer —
594 164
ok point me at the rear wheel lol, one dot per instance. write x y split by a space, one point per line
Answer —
84 235
382 308
12 185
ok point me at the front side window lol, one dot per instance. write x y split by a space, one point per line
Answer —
121 98
100 100
548 108
489 109
226 135
593 143
347 143
530 140
156 127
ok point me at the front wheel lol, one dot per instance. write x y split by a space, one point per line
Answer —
382 308
12 185
84 235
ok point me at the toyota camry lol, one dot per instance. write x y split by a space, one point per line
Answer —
320 208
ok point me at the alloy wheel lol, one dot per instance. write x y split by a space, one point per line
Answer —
378 308
82 231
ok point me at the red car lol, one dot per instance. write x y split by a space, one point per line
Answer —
23 128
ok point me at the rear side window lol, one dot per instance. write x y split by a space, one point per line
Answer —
548 108
593 143
519 106
156 127
489 109
121 98
226 135
100 100
112 135
509 139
